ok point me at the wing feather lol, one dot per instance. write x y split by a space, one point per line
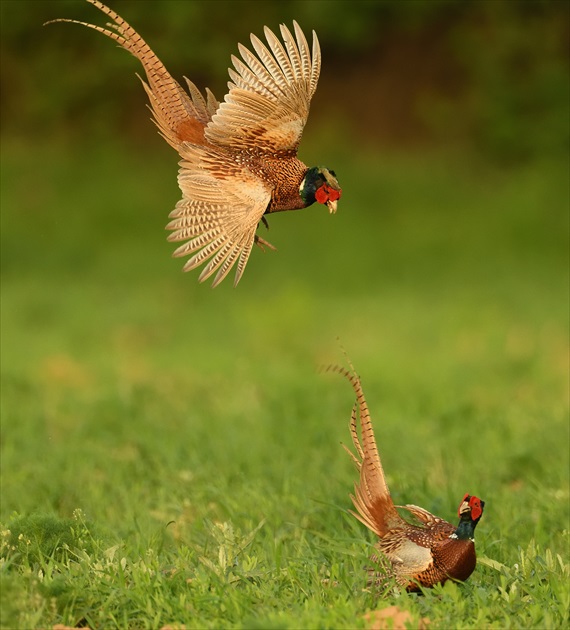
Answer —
316 66
280 54
193 245
209 250
245 78
221 207
243 258
426 518
278 81
269 96
292 52
304 50
228 262
260 70
217 260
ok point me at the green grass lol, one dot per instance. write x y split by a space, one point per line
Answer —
170 455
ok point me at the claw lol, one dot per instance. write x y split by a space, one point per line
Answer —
265 222
262 243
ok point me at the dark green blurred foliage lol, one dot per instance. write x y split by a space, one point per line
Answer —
519 91
493 75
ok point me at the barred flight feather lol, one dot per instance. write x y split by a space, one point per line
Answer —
216 261
228 263
196 243
268 60
280 55
292 52
304 50
209 250
256 76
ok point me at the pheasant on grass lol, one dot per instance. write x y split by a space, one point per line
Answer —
239 158
416 555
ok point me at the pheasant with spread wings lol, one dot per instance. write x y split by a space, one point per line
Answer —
239 157
423 554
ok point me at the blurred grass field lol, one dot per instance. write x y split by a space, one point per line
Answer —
170 454
156 405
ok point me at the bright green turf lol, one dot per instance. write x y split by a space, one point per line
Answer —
170 454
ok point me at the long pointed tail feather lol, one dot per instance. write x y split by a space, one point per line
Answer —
372 499
178 116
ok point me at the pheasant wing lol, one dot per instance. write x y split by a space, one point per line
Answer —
218 214
426 518
439 528
267 105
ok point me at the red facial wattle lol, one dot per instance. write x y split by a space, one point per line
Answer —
326 193
476 509
474 504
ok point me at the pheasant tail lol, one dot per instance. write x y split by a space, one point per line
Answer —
371 498
178 116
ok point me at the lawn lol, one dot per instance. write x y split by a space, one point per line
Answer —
170 453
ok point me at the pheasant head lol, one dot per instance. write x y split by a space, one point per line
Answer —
320 184
470 512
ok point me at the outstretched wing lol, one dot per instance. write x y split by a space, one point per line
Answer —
268 103
218 214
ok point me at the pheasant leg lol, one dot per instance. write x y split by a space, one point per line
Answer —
262 243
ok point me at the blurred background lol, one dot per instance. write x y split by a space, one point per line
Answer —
486 75
444 273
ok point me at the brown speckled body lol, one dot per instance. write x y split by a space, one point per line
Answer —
432 555
288 175
451 558
284 173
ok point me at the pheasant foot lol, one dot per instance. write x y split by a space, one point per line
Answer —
262 243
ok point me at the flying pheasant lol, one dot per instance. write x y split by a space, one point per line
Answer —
239 158
416 555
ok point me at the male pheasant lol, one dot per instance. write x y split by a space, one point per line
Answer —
239 158
416 555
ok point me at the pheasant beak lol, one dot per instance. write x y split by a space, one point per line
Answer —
331 205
